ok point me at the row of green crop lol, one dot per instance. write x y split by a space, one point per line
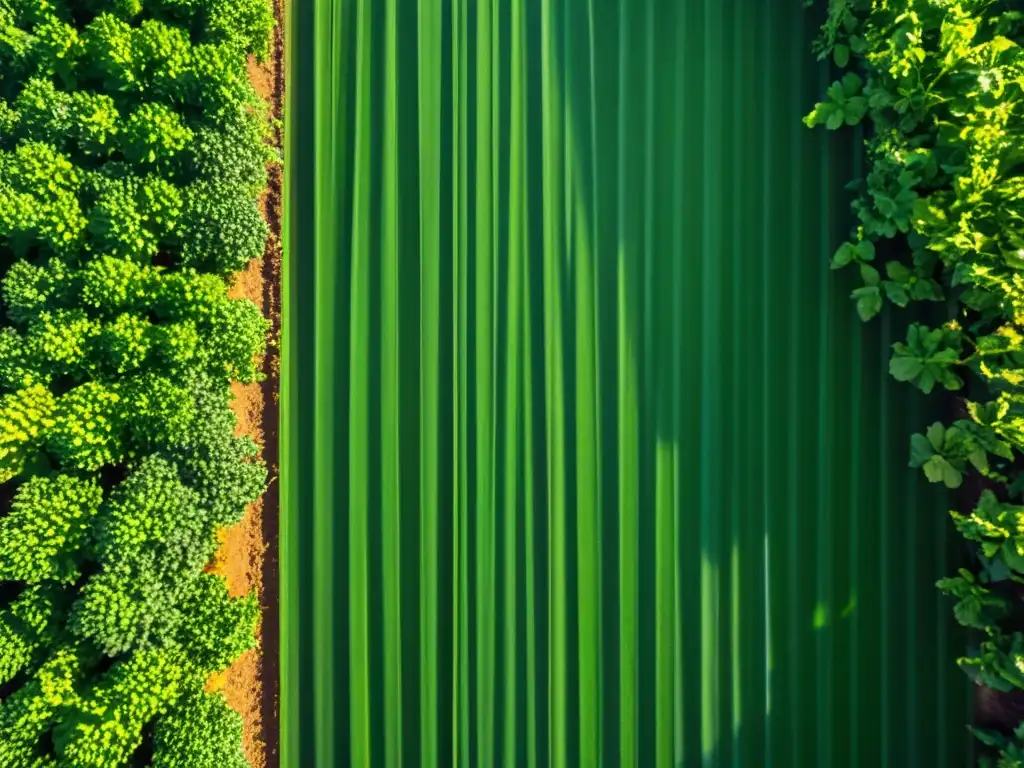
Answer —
939 85
133 149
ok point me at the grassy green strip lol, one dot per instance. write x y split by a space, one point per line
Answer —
390 381
359 406
429 100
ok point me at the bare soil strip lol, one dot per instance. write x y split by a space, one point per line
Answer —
248 556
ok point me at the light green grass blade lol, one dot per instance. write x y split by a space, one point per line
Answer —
429 40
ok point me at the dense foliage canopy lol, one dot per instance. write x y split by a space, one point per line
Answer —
133 151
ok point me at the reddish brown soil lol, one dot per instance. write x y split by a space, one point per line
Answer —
247 557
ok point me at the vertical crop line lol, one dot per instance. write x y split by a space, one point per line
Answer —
513 375
527 309
325 271
554 401
462 345
289 542
628 438
710 407
429 103
390 425
359 405
484 512
824 544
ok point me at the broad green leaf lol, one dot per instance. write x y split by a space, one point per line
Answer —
920 450
934 469
926 381
866 250
851 83
897 271
869 306
1012 557
869 275
896 293
843 255
905 368
951 476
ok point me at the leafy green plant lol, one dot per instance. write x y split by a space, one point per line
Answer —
929 356
201 732
29 626
939 90
44 536
36 707
104 726
977 606
222 229
1011 747
997 528
943 454
153 134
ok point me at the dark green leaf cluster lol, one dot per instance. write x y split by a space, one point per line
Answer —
127 317
221 229
939 89
104 725
144 99
201 732
151 539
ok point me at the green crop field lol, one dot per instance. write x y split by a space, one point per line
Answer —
586 457
565 383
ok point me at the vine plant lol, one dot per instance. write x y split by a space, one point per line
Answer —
939 88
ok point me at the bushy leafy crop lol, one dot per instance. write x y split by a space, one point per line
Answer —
133 149
28 626
939 87
34 709
46 533
202 732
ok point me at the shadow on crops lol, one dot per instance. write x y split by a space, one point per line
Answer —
636 144
708 214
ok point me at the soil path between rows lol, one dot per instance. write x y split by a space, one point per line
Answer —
248 556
